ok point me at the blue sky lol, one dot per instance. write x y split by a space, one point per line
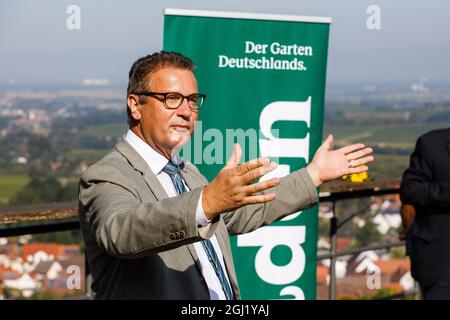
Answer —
36 47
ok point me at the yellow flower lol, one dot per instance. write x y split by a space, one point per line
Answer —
357 177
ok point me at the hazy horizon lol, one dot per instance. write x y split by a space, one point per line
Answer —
37 48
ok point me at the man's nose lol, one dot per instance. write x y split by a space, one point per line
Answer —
184 110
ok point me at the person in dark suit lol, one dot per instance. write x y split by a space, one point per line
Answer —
154 228
426 186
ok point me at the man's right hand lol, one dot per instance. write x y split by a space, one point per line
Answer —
235 185
408 214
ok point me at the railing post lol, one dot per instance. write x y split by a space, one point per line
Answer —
332 270
88 278
418 290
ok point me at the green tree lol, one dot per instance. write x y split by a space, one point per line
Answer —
45 188
397 252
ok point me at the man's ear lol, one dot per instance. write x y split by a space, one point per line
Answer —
134 106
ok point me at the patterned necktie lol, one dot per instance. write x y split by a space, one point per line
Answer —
175 175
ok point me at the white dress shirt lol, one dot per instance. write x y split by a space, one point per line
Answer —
156 162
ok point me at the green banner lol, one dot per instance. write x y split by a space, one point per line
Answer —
264 77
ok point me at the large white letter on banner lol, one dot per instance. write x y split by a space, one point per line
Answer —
270 237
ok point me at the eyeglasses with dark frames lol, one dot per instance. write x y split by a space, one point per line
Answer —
173 100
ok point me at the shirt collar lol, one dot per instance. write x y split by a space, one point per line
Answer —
154 160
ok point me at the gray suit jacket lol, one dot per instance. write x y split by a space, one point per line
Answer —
139 241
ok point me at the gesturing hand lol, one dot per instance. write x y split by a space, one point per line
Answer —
234 185
329 164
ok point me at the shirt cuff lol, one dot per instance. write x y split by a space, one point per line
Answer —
200 214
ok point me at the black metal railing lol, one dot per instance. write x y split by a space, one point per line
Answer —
335 225
40 219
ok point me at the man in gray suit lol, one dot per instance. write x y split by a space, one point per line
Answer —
154 228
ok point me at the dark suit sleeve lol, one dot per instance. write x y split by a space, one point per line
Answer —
418 184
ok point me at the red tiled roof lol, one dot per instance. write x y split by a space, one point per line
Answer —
54 249
393 265
322 273
342 243
9 271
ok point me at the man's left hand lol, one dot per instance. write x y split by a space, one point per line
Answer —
329 164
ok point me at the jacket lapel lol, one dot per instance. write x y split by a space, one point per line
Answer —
448 142
139 164
194 181
448 147
191 179
224 244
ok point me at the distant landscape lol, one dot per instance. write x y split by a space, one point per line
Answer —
48 137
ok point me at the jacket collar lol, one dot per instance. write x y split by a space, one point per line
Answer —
139 164
447 140
192 180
